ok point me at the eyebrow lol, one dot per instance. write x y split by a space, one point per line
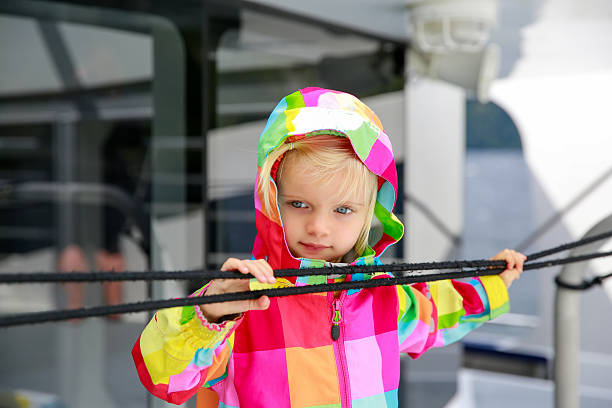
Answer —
352 204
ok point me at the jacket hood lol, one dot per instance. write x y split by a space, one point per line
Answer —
315 111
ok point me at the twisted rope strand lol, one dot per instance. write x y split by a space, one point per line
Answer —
406 269
45 277
571 245
466 269
57 315
584 285
40 277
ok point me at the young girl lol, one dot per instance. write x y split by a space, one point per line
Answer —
326 187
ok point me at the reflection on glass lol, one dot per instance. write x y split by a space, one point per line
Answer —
263 59
101 161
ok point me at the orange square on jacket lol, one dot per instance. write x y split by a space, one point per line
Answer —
313 376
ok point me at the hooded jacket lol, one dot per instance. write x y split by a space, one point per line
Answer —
285 356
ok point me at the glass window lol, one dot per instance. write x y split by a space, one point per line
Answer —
92 160
104 113
260 59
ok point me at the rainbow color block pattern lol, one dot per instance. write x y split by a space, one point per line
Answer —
285 356
313 111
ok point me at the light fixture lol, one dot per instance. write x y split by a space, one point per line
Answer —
451 43
442 26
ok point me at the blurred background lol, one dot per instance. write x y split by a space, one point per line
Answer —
128 134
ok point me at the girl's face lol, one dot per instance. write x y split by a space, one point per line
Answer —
317 225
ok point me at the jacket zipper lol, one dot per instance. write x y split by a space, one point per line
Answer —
337 333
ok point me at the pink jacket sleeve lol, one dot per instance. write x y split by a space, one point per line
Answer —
439 313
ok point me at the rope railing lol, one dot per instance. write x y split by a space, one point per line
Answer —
407 273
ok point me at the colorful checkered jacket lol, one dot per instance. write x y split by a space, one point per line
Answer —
286 356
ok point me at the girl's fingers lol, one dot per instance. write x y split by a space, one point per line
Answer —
232 264
241 306
514 265
518 260
267 270
510 259
241 266
257 271
521 261
514 260
260 269
261 303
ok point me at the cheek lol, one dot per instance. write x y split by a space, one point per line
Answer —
352 229
357 230
289 223
360 225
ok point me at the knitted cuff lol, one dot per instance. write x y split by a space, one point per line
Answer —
211 326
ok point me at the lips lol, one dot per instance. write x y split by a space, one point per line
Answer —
313 247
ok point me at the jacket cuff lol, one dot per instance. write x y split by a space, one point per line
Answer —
202 332
218 327
199 335
497 294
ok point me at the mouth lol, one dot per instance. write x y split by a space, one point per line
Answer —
313 247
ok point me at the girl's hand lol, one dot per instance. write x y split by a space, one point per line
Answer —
514 265
259 268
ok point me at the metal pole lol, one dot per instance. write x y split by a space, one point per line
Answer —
567 324
168 142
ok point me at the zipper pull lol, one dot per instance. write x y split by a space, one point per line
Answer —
335 329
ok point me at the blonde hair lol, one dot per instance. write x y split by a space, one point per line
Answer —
328 156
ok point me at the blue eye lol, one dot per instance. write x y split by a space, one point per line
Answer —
344 210
297 204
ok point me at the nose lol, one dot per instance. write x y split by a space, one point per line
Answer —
317 224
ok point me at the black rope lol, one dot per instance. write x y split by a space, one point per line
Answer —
563 261
584 285
40 277
571 245
45 277
399 268
57 315
474 269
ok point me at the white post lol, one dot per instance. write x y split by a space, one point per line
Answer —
567 324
